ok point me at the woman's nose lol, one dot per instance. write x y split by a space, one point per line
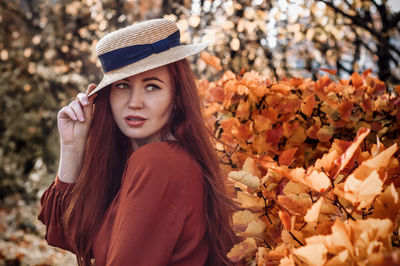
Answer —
136 100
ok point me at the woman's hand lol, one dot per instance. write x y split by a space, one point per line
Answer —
74 119
73 125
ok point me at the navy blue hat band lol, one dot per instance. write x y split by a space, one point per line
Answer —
127 55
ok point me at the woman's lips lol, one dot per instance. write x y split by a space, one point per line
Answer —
135 120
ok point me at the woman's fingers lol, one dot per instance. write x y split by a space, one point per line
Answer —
83 100
67 112
90 88
88 108
77 108
80 109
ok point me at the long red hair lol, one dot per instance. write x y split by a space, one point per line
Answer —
106 153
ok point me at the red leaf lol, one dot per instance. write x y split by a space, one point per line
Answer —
330 71
274 135
287 156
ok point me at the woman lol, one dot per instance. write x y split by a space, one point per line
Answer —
138 181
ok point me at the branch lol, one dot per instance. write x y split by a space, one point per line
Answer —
382 12
295 238
356 19
393 22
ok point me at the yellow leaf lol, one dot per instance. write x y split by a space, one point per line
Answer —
295 205
343 258
313 213
251 167
254 229
287 261
318 181
250 202
246 178
243 249
241 219
348 154
387 204
314 254
360 191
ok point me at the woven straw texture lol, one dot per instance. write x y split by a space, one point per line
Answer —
142 33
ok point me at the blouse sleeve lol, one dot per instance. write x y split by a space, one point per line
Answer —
54 202
152 210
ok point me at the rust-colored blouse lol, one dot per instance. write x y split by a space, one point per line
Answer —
156 218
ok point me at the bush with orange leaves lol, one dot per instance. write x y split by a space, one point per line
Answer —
315 167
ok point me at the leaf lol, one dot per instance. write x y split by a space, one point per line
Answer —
387 204
308 105
287 261
274 135
337 241
241 219
330 71
348 154
359 191
243 109
294 188
313 254
250 202
287 156
356 80
246 178
294 204
282 87
242 131
312 132
286 219
243 249
262 123
317 181
313 212
325 133
342 258
381 160
327 161
254 229
345 109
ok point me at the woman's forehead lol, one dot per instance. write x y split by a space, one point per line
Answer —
159 72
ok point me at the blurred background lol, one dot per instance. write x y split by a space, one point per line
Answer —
47 56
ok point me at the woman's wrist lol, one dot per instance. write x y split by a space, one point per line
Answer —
71 157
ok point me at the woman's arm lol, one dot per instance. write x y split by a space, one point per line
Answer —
73 126
54 202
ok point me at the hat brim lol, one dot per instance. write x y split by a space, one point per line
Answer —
153 61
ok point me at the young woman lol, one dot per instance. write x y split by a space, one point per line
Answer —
138 180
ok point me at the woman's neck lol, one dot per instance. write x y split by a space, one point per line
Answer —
137 143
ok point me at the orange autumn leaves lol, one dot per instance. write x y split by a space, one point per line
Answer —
312 217
315 165
266 118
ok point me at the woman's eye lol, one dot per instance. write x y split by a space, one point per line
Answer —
122 86
152 87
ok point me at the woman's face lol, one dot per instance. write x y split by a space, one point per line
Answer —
141 105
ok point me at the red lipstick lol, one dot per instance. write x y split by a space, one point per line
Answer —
135 120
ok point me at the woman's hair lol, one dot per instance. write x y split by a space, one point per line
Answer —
106 153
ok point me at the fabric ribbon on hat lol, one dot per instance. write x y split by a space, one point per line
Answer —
127 55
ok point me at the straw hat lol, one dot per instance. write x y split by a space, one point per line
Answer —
141 47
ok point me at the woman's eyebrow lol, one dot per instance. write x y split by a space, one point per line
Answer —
152 78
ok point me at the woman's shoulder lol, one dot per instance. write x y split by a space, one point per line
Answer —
165 151
168 156
164 166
